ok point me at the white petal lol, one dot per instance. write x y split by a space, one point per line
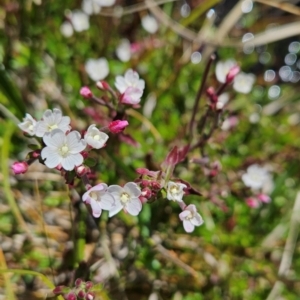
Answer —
69 162
188 226
107 201
115 209
55 139
121 84
132 189
184 214
64 123
52 158
115 189
41 128
96 208
75 143
134 206
197 220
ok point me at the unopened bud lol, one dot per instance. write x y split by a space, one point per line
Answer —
264 198
78 282
71 296
58 290
90 296
146 192
102 85
81 294
86 93
88 285
211 93
19 167
82 170
117 126
232 73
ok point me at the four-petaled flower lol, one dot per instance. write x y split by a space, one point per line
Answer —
99 199
126 198
175 191
190 218
130 86
28 125
95 138
52 120
63 149
243 82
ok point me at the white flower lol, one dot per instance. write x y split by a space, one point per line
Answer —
80 20
90 7
63 149
131 96
95 138
97 69
243 82
256 177
175 191
190 218
150 24
52 120
127 198
123 50
222 69
130 79
66 29
28 125
105 2
99 199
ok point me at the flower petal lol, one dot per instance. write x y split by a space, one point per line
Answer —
52 157
115 209
188 226
69 162
184 214
107 201
96 208
133 189
134 206
54 139
197 220
75 143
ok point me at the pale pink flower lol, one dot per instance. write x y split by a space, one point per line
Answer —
28 125
126 198
252 202
264 198
95 138
190 218
86 93
97 69
19 167
243 82
130 79
63 149
52 120
175 191
131 96
99 199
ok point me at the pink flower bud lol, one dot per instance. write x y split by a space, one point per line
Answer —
82 170
252 202
71 296
117 126
211 93
232 73
86 93
146 192
172 157
103 85
19 167
58 290
81 294
90 296
88 285
264 198
78 282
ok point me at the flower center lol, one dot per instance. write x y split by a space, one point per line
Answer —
64 150
93 195
30 127
51 127
174 190
96 137
190 216
124 198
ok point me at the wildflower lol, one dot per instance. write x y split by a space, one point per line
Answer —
63 149
97 69
190 218
117 126
223 68
86 93
256 177
130 80
52 120
243 83
90 7
79 20
123 50
28 125
150 24
131 96
99 199
95 138
66 29
19 167
252 202
175 191
127 198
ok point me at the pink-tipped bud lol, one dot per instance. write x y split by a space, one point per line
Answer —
172 157
78 282
146 192
90 296
19 167
81 294
86 93
211 93
71 296
88 285
103 85
117 126
232 73
58 290
264 198
82 170
252 202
